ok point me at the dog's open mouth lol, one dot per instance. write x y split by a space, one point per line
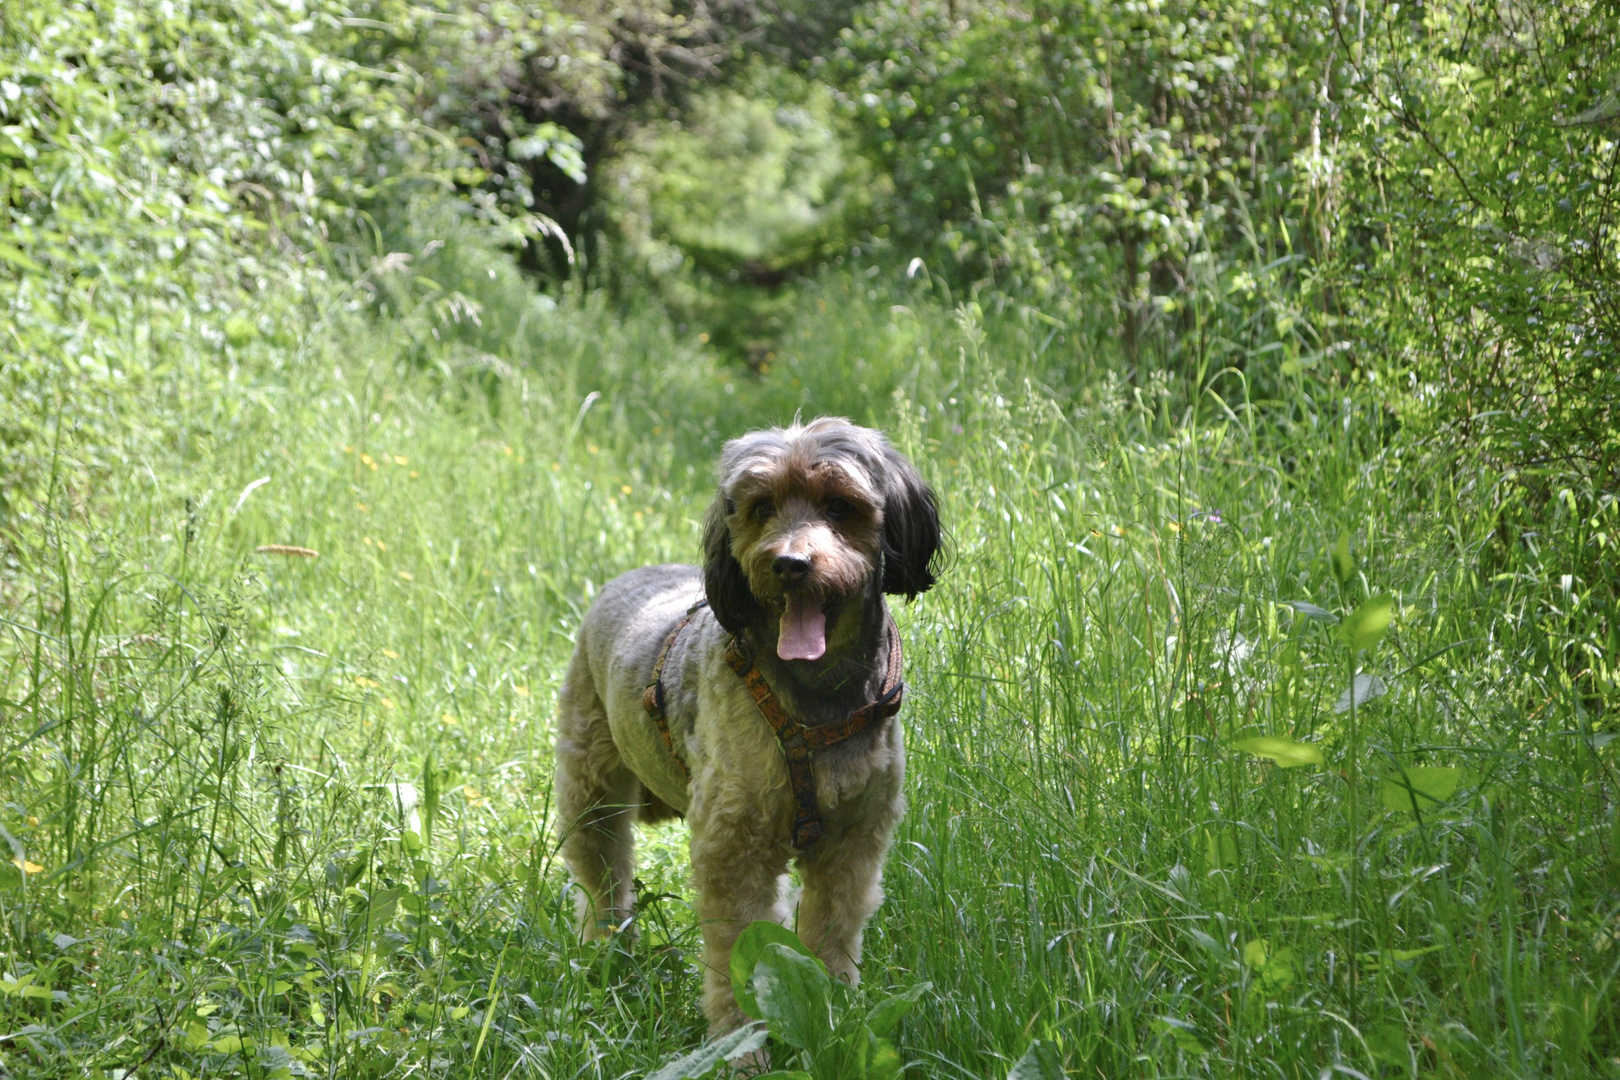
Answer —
803 633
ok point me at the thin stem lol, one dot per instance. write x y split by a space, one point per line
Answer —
1353 813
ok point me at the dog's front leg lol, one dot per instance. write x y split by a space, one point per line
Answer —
843 886
737 865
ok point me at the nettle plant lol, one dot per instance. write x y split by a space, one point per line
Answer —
814 1024
1407 789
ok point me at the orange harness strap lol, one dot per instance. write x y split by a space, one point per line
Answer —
799 742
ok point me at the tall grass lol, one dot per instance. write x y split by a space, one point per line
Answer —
277 815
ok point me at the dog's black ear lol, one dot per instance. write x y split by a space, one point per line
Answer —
730 598
912 539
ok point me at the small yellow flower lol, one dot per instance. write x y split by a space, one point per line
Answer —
591 448
556 466
32 820
638 515
474 798
362 507
521 691
27 867
1095 532
407 575
381 546
366 540
625 489
414 474
348 449
507 450
391 654
1173 526
369 684
387 703
449 720
401 459
1119 530
369 462
704 337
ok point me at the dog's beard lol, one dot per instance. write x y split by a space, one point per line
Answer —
802 634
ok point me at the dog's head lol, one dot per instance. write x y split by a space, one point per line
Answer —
804 519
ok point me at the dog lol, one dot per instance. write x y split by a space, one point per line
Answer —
756 695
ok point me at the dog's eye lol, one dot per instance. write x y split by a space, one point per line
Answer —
838 509
764 509
731 507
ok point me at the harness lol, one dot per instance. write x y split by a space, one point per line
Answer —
799 741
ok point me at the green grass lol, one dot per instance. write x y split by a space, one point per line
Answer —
201 742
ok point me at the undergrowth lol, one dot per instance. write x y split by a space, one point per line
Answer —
279 659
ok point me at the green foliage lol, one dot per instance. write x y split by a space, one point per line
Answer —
751 184
753 178
1164 156
746 953
1365 626
306 486
1287 753
813 1018
173 178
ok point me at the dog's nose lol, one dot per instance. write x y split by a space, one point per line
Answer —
791 568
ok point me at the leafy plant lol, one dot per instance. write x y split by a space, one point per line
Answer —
816 1023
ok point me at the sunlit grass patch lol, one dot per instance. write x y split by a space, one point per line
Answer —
1130 835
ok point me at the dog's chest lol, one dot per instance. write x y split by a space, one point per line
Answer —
744 764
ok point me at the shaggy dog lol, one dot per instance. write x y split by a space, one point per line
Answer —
667 704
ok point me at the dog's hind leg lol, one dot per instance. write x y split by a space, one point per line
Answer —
597 801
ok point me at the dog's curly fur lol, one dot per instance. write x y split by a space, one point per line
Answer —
825 510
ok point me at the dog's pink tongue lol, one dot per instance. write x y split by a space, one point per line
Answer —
803 633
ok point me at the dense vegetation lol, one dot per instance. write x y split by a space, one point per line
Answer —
1263 355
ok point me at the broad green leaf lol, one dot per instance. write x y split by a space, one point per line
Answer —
1286 752
1311 611
886 1014
1040 1062
883 1061
745 1040
795 995
240 331
1221 849
1420 787
750 945
1186 1035
1366 625
1274 970
1344 568
1362 689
